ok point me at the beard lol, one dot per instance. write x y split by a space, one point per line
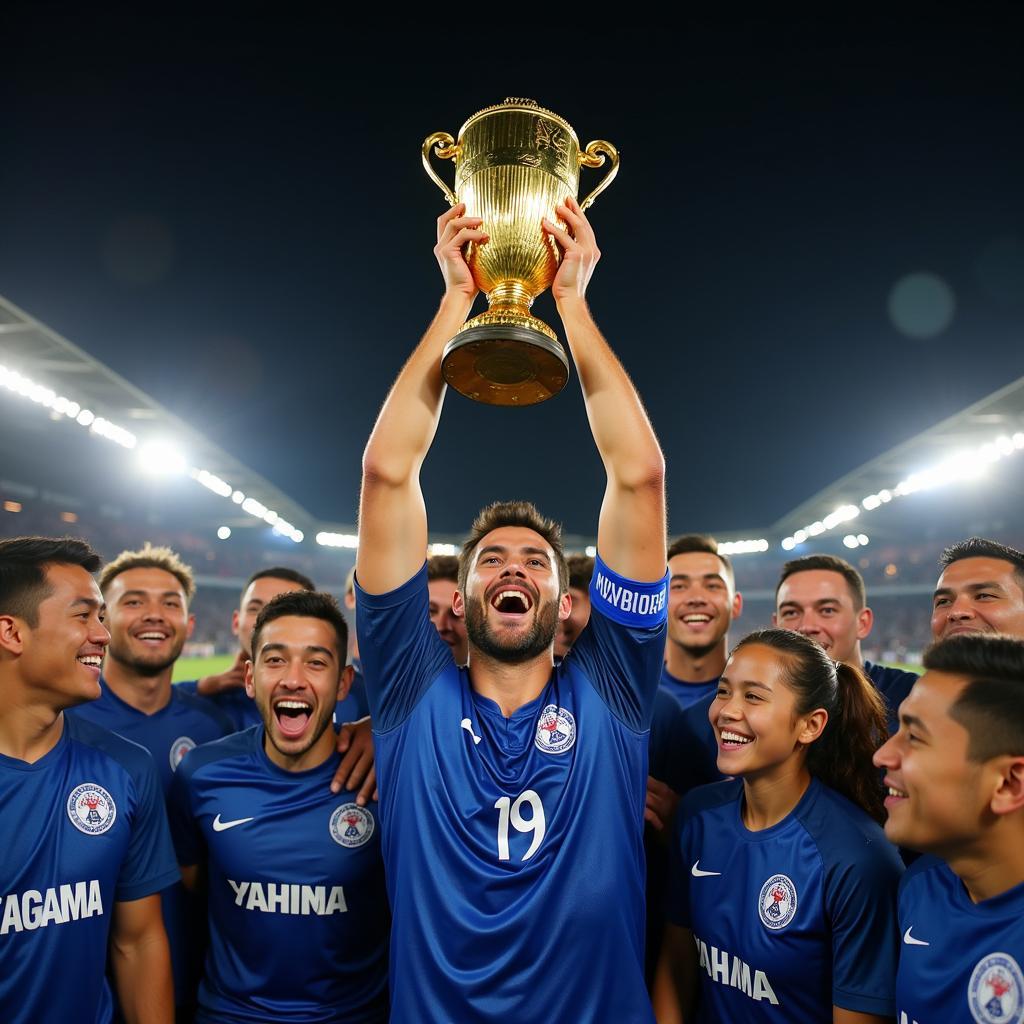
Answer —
529 645
146 664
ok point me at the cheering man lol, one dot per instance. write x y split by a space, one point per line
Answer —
512 792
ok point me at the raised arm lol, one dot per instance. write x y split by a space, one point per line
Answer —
392 515
631 530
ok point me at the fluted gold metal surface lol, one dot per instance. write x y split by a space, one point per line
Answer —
514 163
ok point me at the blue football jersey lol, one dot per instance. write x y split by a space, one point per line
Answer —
169 734
84 826
297 905
894 685
182 724
790 920
960 961
513 846
686 693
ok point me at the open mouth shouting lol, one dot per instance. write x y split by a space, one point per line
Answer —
512 600
293 716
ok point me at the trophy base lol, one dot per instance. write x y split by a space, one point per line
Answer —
505 364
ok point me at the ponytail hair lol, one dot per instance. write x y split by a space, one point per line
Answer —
857 721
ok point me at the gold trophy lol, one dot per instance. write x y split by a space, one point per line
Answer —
514 163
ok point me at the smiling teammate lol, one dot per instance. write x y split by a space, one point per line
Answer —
513 791
702 603
981 590
783 888
295 882
442 582
955 777
85 849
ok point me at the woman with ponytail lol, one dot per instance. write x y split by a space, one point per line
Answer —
783 888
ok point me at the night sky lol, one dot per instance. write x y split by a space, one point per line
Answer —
232 215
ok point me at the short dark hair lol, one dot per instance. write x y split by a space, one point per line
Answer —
280 572
688 542
308 604
513 513
830 563
443 567
23 562
980 547
581 571
991 705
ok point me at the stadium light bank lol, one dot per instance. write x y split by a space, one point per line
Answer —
154 455
965 465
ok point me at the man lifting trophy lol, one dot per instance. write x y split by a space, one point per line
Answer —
514 164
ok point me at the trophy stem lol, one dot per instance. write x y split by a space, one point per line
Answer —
510 293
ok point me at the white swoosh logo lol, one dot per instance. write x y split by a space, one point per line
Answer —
220 826
911 941
468 726
697 873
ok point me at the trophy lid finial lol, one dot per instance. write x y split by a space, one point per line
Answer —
519 101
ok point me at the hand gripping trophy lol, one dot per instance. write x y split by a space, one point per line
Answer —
514 163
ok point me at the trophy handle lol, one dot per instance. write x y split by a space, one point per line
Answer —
444 147
593 156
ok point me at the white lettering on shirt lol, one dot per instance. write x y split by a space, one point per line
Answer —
289 898
727 969
34 909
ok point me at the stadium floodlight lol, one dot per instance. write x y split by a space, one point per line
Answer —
254 508
863 538
223 532
298 536
85 417
590 551
161 457
212 482
337 540
788 543
442 549
237 497
270 517
742 547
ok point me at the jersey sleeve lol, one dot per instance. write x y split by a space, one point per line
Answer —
622 649
399 648
186 835
860 896
149 864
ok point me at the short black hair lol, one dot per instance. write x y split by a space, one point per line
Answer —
581 571
280 572
688 542
980 547
830 563
443 567
23 562
991 706
307 604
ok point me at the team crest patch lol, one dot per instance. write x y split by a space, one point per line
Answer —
556 730
91 809
995 993
179 748
351 825
777 903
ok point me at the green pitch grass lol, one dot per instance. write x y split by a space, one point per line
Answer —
196 668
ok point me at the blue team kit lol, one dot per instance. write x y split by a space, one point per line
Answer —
513 846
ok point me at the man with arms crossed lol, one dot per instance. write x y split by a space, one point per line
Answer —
512 792
955 779
84 852
295 883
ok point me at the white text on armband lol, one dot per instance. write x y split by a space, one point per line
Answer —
289 898
730 970
26 911
630 601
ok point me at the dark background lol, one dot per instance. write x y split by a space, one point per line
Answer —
231 213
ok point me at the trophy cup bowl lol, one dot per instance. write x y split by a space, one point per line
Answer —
514 163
